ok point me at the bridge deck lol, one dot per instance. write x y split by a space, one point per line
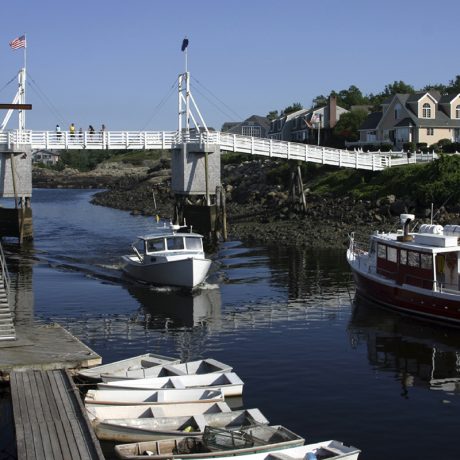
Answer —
50 419
151 140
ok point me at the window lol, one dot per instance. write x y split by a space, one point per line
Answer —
426 261
413 259
382 251
426 110
397 111
392 254
176 242
457 111
156 245
403 257
429 131
253 131
193 243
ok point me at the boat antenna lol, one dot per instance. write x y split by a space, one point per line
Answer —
157 216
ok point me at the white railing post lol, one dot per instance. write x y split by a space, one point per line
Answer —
66 139
270 152
288 150
252 145
323 150
306 152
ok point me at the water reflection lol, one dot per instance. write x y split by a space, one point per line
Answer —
172 310
420 353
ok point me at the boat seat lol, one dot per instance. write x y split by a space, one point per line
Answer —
174 370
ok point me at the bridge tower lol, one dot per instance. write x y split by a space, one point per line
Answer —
16 170
195 168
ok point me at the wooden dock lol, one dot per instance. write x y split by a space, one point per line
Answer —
44 347
50 419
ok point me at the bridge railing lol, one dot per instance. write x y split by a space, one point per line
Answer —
272 148
53 140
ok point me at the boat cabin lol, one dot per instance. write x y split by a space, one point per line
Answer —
189 242
426 260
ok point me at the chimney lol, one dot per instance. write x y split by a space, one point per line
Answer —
332 111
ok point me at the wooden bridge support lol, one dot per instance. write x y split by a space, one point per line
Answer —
296 190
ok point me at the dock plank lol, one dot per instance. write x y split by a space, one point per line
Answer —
50 418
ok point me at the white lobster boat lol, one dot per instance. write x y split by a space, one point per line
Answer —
170 257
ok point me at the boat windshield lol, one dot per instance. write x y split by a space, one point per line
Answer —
193 243
175 242
155 245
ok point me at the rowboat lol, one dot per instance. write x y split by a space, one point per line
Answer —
146 397
330 449
228 382
201 366
136 362
413 272
168 257
214 443
150 429
103 412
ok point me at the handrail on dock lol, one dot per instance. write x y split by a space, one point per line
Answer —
5 272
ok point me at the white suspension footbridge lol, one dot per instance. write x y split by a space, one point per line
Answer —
165 140
19 139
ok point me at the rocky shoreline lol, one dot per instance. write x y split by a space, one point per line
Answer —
257 212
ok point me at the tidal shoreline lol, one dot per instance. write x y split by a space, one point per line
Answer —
256 212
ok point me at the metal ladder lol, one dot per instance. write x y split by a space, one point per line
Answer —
7 330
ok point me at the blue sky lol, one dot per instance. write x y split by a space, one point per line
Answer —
116 62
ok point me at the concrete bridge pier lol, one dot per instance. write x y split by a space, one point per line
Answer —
196 183
16 183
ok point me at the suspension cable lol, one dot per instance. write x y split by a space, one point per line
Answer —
160 104
222 102
41 94
226 114
6 84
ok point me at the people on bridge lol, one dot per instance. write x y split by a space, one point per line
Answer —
72 129
102 128
91 129
58 131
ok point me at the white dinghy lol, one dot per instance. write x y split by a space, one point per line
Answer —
144 361
150 428
201 366
214 443
228 382
103 412
146 397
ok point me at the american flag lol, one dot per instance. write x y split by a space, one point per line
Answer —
19 42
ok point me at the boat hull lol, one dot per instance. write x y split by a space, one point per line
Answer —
435 306
182 272
151 429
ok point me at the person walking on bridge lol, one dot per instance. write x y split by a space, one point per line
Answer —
72 129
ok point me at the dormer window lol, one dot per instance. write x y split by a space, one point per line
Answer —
426 110
397 111
457 111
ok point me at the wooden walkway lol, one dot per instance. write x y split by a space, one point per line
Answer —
50 419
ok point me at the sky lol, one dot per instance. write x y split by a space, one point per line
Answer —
117 62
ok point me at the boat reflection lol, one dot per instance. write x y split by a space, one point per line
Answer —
166 309
420 353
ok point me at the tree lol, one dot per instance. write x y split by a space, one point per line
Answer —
292 108
272 115
454 85
398 87
319 101
351 96
348 125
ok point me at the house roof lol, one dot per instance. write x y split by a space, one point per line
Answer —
231 126
372 120
447 98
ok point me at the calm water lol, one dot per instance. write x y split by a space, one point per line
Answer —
311 359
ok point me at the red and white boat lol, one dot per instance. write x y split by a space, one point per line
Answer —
414 272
